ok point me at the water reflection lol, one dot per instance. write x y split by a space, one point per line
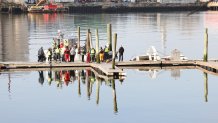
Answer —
13 38
205 87
88 79
153 73
41 77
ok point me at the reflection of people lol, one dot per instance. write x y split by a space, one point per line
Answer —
92 77
72 75
83 77
57 78
67 77
41 77
49 77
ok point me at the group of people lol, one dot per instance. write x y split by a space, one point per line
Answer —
63 50
60 51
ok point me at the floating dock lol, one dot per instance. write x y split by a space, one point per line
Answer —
106 68
103 68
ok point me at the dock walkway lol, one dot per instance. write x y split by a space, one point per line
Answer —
106 68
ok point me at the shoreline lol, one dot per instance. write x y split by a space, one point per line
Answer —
112 7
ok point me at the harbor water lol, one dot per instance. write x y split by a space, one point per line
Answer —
179 95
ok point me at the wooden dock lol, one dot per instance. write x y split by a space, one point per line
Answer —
105 69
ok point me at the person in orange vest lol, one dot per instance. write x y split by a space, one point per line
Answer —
67 54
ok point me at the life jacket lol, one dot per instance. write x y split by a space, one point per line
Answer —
92 51
67 51
49 52
66 43
57 50
106 50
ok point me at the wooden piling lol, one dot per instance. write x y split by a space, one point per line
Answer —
78 43
206 45
114 50
88 40
97 46
109 35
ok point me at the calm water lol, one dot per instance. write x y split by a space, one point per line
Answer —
23 35
171 97
143 96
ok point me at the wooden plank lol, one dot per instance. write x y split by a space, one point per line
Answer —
207 71
44 64
154 68
107 69
213 65
104 67
156 63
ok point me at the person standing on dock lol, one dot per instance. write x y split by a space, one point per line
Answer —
101 54
67 54
49 53
58 53
66 43
72 54
93 55
41 55
83 52
121 51
106 51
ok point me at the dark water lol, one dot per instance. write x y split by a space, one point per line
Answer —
166 96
